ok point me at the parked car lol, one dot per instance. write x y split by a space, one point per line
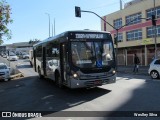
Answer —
4 72
12 57
25 56
22 55
154 69
4 55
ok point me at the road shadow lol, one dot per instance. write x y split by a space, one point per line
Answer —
25 60
145 99
34 94
24 66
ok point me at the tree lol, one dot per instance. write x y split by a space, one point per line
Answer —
33 41
5 19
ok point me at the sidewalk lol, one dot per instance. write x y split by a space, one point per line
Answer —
129 69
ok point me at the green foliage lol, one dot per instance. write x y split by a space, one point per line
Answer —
5 12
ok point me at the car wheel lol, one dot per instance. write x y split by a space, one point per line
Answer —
5 80
154 74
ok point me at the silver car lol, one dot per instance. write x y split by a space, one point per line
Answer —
4 72
12 57
154 69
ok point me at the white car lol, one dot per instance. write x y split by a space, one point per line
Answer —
4 72
154 69
12 57
25 56
4 55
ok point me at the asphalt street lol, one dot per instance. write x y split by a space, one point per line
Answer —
131 93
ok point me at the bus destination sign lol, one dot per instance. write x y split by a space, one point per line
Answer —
89 36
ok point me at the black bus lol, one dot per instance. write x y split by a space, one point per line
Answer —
76 59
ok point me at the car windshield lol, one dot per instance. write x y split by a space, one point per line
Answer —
92 54
3 67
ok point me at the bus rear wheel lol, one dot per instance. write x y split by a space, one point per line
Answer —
39 73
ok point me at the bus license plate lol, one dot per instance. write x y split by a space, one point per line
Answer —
98 82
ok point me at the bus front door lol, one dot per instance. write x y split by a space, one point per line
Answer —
44 61
63 59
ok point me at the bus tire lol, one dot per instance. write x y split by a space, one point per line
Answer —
58 80
39 73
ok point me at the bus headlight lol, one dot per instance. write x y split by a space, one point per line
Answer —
75 75
114 72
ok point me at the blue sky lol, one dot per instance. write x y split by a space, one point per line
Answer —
30 20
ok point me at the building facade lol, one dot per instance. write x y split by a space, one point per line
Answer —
136 33
16 47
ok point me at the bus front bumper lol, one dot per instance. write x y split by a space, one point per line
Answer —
92 83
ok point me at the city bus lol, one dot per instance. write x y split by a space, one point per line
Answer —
76 59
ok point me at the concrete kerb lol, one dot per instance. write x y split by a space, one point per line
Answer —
129 72
16 74
143 70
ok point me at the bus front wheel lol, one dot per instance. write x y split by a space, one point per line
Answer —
58 81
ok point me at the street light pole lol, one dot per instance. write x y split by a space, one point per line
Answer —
54 27
49 22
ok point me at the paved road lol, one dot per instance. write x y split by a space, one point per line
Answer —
130 93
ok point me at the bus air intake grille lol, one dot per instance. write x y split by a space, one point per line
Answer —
94 77
2 73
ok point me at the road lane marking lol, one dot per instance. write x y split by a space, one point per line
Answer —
47 97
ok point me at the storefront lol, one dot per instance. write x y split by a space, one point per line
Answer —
145 53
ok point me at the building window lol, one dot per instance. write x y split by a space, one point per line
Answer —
120 37
133 19
117 23
134 35
150 31
150 12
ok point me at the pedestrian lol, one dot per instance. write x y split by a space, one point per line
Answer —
136 63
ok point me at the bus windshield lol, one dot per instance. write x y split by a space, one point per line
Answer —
92 54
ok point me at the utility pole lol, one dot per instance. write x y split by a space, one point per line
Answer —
52 30
155 32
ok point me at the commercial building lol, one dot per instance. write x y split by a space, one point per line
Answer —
138 34
16 47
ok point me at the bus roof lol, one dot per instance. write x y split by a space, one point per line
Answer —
65 33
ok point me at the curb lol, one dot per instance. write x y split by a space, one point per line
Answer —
128 72
17 76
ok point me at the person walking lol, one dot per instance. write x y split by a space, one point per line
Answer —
136 63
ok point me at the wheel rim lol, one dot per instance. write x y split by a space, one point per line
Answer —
154 74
